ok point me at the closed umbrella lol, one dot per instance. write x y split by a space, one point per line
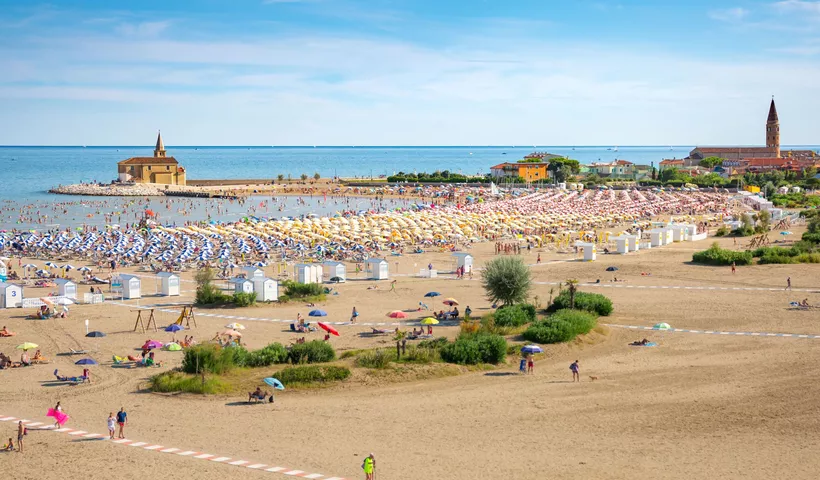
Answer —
95 334
328 328
317 313
274 383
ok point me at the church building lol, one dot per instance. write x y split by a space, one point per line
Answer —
160 168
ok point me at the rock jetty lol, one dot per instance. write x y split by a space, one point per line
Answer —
112 190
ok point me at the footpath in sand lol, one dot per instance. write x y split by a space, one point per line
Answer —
696 406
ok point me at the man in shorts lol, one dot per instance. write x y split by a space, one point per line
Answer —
21 430
122 419
576 371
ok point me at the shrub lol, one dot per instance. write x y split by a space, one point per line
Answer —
591 302
167 382
298 290
241 299
206 292
315 351
475 349
269 355
808 258
776 259
715 255
419 354
307 374
208 358
506 280
373 359
722 231
513 316
811 237
435 343
562 326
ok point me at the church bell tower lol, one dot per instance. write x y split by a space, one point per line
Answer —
773 130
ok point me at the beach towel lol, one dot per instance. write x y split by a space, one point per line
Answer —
60 417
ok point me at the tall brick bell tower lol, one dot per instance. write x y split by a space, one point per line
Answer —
773 130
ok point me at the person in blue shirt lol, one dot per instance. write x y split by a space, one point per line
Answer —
122 419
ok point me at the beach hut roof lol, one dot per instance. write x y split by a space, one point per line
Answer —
167 274
376 260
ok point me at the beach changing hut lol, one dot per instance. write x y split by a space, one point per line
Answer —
242 285
308 273
378 268
253 272
169 284
621 245
3 272
335 269
660 236
267 289
66 288
588 250
11 295
131 286
464 260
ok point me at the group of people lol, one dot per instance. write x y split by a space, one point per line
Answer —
507 248
25 360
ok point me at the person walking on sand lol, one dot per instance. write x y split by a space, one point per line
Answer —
58 408
788 283
112 425
354 315
122 420
538 261
21 431
393 286
369 467
576 371
530 364
733 268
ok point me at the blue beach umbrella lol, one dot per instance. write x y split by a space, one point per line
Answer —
317 313
532 349
95 334
274 383
174 328
85 361
432 294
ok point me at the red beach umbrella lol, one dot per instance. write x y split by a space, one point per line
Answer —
328 328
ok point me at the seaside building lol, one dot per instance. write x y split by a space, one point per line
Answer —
529 171
737 156
160 168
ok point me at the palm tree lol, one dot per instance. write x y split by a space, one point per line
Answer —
572 286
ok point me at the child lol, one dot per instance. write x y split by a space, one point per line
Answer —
112 423
576 374
530 364
9 447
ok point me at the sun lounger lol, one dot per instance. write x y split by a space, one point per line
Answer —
71 351
380 331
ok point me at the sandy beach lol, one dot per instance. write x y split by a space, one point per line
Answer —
698 405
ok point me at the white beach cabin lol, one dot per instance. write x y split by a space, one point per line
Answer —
588 250
308 273
3 272
660 237
242 285
632 242
253 272
678 232
267 289
131 286
334 269
66 288
378 268
621 245
169 284
11 295
464 260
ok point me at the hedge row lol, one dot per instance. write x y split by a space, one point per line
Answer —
475 349
590 302
715 255
210 358
562 326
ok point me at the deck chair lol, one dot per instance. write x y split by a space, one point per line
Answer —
71 351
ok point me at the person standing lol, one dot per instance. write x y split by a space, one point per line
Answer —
576 371
530 364
354 315
393 286
369 467
112 425
59 409
122 420
788 283
733 268
538 261
21 431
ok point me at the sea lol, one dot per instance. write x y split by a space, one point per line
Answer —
29 171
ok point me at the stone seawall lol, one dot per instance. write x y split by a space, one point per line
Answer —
138 190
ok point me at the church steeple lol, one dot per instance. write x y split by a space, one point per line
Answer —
773 130
159 150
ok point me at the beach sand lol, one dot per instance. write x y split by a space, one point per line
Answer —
696 406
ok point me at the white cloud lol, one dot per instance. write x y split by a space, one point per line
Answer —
729 14
798 6
143 29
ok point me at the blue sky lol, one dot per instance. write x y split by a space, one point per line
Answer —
407 72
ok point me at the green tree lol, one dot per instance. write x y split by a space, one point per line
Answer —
669 174
572 288
506 280
304 177
316 176
711 162
280 177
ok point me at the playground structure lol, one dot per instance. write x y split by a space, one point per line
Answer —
186 316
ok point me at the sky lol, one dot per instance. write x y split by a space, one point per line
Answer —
408 72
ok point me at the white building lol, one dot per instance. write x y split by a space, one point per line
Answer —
11 295
378 269
169 283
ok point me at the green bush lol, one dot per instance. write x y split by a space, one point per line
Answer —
374 359
475 349
434 343
308 374
722 231
209 294
591 302
269 355
808 258
299 290
208 358
315 351
419 354
168 382
513 316
241 299
715 255
811 237
562 326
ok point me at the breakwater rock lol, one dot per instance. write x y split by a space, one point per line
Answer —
113 190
